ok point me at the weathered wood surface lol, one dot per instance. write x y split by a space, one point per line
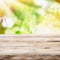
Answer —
42 47
30 57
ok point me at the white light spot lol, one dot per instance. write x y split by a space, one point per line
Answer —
8 23
42 3
41 12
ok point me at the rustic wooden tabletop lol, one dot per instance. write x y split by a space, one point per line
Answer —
30 47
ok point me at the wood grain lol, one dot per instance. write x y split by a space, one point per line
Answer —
28 47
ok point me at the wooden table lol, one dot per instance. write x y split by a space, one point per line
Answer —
30 47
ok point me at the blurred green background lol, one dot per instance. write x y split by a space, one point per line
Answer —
28 15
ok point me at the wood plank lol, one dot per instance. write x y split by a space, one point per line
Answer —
28 44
